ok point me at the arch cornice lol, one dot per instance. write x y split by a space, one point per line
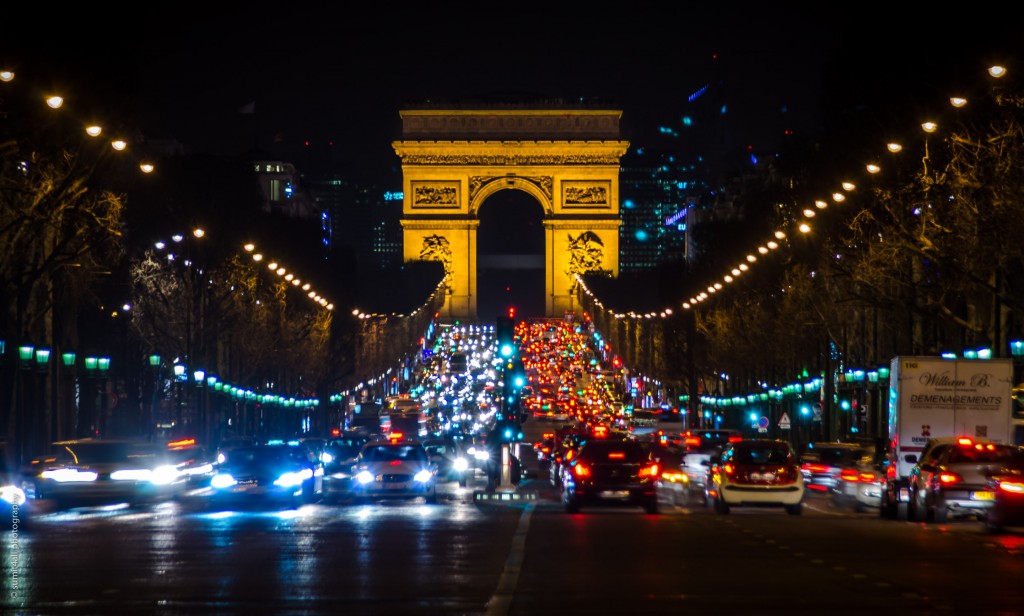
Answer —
510 153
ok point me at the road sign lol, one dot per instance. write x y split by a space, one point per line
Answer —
762 423
784 422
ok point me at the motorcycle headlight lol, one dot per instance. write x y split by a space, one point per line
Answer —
222 480
364 477
423 476
460 464
12 494
291 479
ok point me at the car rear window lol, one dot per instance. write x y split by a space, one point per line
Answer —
836 456
982 454
605 451
760 454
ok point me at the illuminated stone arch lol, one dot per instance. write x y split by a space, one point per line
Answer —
566 159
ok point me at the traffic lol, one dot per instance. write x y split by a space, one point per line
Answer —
542 407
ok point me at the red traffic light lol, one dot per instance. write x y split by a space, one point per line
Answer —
511 312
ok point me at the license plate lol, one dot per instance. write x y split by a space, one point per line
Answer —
762 476
395 486
615 494
985 496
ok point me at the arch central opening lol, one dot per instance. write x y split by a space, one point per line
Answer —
510 255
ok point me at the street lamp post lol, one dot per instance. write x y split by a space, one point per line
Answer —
199 377
67 410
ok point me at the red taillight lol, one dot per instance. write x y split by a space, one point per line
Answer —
729 469
395 463
815 468
649 471
616 456
581 470
963 440
735 439
692 441
1014 487
869 477
850 474
948 479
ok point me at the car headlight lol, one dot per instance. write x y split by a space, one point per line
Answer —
164 475
287 480
460 464
63 475
326 458
482 454
423 476
132 474
222 480
364 477
200 470
12 494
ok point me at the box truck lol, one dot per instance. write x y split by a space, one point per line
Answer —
934 397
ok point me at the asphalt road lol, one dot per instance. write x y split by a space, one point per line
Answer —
523 555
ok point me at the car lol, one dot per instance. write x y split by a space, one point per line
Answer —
699 446
194 462
955 483
610 471
339 456
452 463
282 474
756 473
390 469
920 475
1007 485
861 482
562 454
90 472
822 462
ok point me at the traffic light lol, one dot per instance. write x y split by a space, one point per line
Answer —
505 332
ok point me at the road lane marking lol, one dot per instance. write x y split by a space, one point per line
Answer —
500 601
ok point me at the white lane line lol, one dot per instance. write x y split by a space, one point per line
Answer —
502 597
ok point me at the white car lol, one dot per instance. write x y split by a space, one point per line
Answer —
394 469
756 473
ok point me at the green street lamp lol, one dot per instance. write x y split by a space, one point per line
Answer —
103 363
154 361
91 363
1016 348
26 353
68 359
43 357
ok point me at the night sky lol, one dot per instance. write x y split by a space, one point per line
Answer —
341 74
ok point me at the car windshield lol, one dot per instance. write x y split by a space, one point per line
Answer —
982 454
267 455
106 453
760 454
386 453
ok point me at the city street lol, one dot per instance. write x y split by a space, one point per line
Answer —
525 556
